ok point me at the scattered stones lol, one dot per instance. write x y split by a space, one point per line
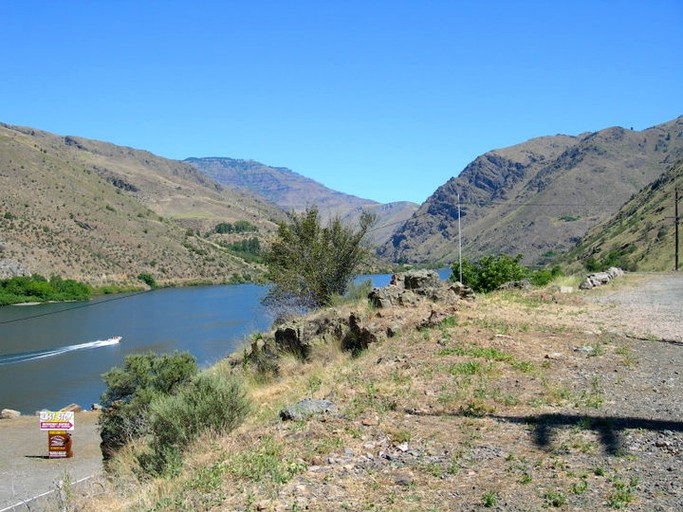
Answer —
600 278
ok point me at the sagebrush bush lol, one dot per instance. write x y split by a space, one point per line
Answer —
131 390
212 401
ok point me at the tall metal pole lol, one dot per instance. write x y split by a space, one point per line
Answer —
676 224
460 240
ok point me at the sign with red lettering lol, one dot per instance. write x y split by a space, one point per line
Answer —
56 420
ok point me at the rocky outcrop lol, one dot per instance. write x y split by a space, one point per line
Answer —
306 408
600 278
413 300
11 268
412 287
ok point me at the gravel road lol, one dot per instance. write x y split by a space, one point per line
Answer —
652 309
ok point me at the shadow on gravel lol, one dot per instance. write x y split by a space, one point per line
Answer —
607 428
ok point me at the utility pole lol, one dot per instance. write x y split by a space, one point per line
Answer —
676 224
460 237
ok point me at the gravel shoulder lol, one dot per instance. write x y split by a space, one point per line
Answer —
648 306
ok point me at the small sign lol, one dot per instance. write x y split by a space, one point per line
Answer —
59 444
56 420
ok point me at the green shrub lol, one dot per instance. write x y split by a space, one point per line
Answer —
615 258
491 271
148 279
241 226
130 391
211 401
543 276
36 288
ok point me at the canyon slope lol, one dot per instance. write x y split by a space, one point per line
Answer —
293 192
538 198
100 213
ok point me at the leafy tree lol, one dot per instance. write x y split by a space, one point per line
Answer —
308 263
131 389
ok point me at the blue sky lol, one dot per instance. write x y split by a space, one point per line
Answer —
382 99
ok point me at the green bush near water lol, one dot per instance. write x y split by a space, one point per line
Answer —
37 288
131 390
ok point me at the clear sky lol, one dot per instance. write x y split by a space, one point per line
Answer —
384 99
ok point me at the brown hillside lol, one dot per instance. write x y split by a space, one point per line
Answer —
102 213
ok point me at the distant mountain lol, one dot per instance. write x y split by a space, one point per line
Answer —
537 198
641 234
102 213
292 191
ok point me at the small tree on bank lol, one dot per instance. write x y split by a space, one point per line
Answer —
309 264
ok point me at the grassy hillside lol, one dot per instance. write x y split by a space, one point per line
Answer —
640 236
100 213
537 198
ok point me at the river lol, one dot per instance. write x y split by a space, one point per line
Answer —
52 355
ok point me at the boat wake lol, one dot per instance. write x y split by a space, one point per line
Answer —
24 357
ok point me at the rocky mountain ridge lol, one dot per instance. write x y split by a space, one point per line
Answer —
537 198
292 191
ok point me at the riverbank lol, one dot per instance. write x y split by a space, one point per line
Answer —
518 401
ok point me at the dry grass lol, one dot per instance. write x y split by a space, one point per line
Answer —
433 419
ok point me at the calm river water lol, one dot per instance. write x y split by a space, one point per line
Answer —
52 355
49 355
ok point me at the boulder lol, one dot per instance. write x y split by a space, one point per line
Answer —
307 408
8 414
71 408
421 281
600 278
462 291
408 289
359 337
